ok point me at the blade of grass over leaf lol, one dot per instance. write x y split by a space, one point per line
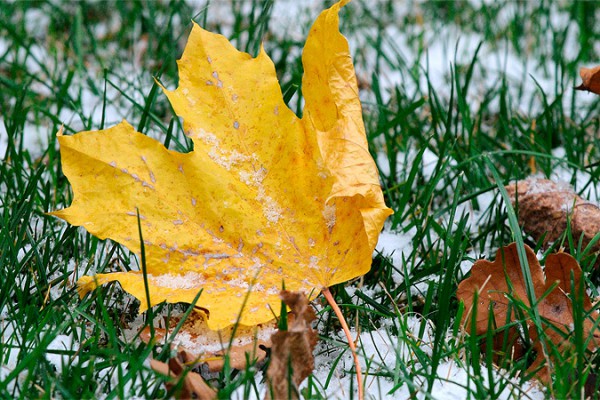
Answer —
518 237
149 314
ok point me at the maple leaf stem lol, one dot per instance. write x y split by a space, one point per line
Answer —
338 313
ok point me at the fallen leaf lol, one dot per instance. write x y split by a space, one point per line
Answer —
263 198
194 387
544 207
209 348
591 79
501 285
292 358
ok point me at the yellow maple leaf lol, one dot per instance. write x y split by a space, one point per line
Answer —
264 198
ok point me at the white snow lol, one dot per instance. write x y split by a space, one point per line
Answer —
58 352
189 280
384 354
10 353
60 344
449 46
203 340
397 246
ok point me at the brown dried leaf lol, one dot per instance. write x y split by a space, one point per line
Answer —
194 386
544 207
591 79
490 280
557 309
291 355
209 348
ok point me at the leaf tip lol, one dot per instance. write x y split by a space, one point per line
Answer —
85 284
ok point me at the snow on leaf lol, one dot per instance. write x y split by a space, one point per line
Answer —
547 208
500 286
264 197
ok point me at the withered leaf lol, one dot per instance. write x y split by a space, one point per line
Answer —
500 284
194 387
591 79
209 348
292 358
544 207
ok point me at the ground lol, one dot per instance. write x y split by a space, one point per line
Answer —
459 99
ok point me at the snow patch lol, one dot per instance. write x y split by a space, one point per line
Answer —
190 280
58 351
381 353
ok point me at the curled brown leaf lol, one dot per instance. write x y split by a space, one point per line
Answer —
591 79
545 208
292 352
193 386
